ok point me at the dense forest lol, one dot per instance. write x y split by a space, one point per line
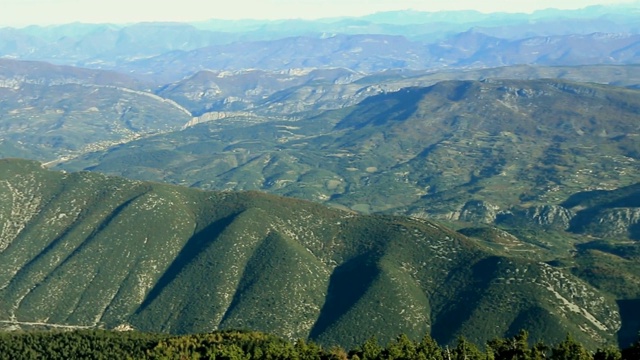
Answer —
231 344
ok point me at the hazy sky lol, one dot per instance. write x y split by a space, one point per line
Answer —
44 12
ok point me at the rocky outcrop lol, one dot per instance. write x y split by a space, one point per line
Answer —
215 115
614 222
544 216
548 216
478 211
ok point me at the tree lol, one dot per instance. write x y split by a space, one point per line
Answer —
516 348
371 349
429 349
466 350
227 352
337 353
569 349
607 353
308 350
539 351
401 349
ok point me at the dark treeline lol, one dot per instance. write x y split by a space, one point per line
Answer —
100 344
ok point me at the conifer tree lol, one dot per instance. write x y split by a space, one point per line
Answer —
569 349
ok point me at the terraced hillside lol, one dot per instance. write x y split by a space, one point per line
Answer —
87 250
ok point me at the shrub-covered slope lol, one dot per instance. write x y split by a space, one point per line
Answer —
87 250
460 150
51 112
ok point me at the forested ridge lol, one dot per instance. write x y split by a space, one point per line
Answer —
84 250
234 344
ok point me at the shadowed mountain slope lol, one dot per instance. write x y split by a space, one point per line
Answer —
86 250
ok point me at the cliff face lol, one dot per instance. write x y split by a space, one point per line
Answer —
554 217
612 223
607 214
217 115
549 216
478 212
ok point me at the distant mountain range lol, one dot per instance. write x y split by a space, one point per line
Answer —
374 53
166 52
288 93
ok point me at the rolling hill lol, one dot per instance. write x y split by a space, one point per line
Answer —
457 150
50 112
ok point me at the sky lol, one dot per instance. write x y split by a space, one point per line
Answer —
46 12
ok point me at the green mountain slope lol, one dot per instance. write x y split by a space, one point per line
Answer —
87 250
459 150
49 112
